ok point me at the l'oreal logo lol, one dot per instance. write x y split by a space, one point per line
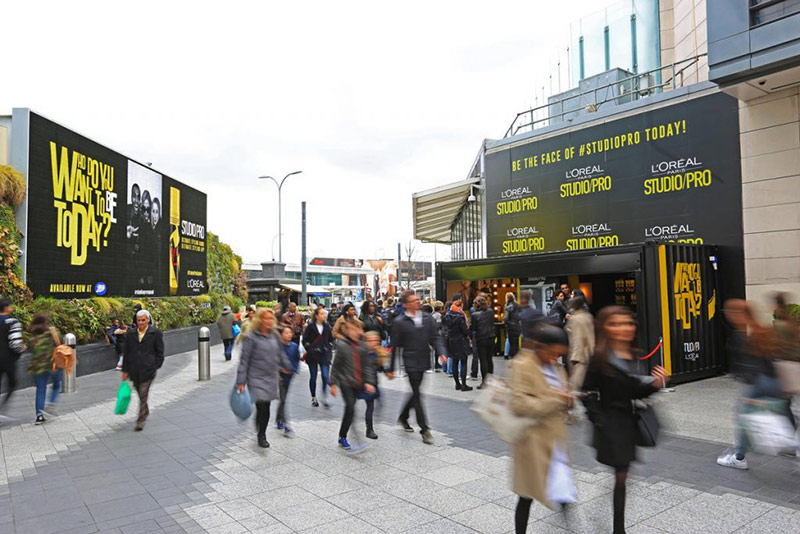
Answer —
591 229
522 231
668 230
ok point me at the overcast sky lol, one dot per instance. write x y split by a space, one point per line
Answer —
373 101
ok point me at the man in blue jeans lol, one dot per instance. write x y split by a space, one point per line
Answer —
225 324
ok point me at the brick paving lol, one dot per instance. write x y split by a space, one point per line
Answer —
196 469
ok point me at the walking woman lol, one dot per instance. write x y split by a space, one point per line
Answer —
458 343
541 392
371 320
482 325
317 341
580 328
260 366
352 373
348 314
612 384
377 357
44 340
512 315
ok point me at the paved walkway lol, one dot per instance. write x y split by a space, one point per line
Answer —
196 469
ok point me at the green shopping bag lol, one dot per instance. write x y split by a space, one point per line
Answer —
123 398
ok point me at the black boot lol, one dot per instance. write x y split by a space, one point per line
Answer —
262 442
458 386
371 432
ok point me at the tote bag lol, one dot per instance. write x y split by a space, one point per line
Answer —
123 398
493 407
241 403
766 430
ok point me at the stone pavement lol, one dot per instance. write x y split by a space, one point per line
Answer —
196 469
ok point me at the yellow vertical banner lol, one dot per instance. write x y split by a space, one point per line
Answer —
665 315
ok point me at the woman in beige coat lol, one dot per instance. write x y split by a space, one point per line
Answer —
580 327
540 392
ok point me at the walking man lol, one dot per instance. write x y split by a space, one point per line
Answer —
11 347
225 324
294 320
144 355
415 333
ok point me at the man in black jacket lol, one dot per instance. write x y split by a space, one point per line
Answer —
415 333
144 355
11 346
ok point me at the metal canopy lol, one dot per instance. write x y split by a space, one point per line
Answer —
435 210
311 290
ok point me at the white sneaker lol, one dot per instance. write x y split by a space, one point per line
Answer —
729 460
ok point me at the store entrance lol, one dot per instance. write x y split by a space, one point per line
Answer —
600 290
673 289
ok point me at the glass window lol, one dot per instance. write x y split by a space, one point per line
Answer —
764 11
616 21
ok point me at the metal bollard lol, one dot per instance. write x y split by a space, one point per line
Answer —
204 354
69 378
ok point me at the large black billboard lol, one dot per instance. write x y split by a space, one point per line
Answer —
100 224
669 174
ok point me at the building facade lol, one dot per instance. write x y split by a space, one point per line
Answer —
668 190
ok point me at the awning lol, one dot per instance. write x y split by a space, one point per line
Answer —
435 210
310 290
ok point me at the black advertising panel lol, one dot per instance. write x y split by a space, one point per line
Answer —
100 224
669 174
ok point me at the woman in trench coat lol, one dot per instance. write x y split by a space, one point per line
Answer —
261 363
541 392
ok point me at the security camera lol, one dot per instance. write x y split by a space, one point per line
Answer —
472 198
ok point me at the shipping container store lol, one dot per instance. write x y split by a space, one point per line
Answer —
639 205
672 288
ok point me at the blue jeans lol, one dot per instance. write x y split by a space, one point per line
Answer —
450 366
228 344
312 383
41 388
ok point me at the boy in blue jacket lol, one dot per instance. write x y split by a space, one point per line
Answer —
293 355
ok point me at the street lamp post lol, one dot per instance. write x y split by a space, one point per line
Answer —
280 187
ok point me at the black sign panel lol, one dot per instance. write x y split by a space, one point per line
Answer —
100 224
670 174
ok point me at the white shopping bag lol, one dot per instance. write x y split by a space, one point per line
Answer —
493 407
769 432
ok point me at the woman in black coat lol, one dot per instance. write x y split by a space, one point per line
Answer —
317 340
612 384
482 326
458 343
372 321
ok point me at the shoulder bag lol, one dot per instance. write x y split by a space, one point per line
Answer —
493 407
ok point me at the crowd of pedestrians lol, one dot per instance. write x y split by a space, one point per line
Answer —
560 359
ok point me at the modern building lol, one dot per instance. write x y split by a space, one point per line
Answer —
335 279
667 189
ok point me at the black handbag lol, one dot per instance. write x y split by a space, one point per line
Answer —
647 426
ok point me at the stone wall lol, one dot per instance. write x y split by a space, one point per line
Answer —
97 357
770 143
683 36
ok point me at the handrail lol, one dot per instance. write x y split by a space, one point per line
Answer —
676 69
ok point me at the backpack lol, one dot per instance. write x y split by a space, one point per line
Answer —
63 355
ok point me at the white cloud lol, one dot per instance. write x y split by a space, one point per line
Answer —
372 100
